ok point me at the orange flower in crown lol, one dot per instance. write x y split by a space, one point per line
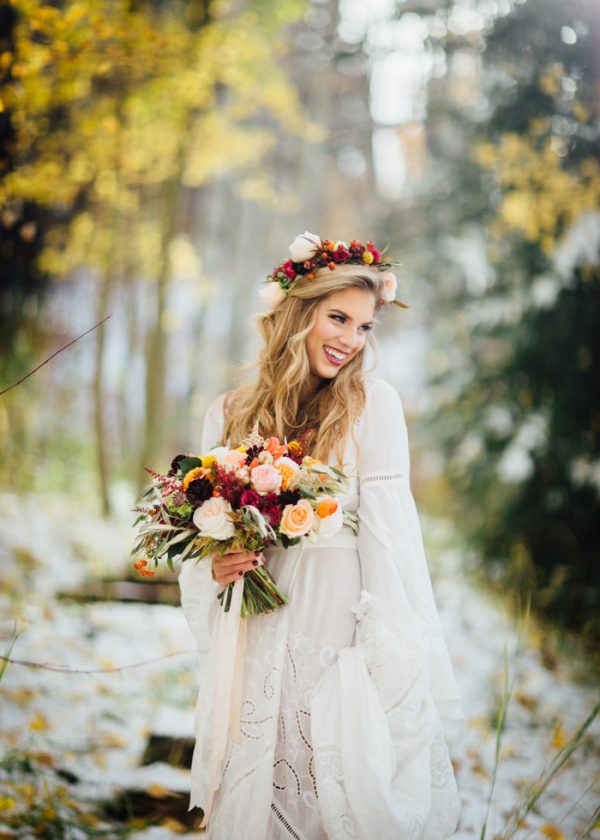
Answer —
308 253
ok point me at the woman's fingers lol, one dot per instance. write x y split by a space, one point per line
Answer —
226 569
231 558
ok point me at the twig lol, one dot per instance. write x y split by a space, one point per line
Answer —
590 825
505 697
13 638
534 792
64 670
23 378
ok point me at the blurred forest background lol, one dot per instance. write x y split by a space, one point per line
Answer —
156 160
158 156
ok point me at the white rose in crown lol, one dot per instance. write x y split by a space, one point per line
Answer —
271 294
304 246
390 284
211 519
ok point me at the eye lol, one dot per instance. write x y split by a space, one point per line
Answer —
366 328
339 318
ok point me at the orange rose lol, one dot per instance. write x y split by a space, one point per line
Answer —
326 508
288 470
297 519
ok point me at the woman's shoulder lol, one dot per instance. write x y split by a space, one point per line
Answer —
380 393
217 404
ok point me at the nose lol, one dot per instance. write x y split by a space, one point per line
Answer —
349 337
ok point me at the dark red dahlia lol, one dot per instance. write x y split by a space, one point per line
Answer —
199 491
289 497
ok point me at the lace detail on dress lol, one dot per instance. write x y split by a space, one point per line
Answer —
371 477
294 782
284 822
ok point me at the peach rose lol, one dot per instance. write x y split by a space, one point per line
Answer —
265 478
289 471
390 284
234 458
297 519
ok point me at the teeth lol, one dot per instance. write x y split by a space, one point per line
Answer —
335 354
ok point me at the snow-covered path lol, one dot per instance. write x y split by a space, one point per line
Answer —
96 726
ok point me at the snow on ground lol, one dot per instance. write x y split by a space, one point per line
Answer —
96 725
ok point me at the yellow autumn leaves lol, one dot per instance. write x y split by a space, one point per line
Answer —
540 197
543 191
111 107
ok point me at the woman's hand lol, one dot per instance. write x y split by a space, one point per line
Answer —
232 565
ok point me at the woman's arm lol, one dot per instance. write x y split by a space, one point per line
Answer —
393 564
197 586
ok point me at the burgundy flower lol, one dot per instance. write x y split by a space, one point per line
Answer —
341 255
229 486
289 497
199 490
268 500
252 453
272 515
249 497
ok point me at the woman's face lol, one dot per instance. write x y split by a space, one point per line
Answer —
343 321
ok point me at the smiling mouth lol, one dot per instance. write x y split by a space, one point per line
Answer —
335 357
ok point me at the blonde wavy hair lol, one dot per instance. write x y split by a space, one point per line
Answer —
283 371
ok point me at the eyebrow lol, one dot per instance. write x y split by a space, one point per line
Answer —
345 314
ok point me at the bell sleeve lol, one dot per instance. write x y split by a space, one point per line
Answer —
394 571
196 584
395 685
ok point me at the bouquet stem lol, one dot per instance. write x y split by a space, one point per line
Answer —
261 593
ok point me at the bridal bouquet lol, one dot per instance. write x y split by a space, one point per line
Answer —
260 494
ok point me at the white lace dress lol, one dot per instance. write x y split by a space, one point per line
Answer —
346 689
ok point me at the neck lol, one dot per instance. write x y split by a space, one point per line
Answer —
314 384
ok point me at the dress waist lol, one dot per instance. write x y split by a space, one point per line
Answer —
345 538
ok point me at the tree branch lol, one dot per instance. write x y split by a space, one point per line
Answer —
23 378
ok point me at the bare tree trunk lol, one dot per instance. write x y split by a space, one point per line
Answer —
98 389
157 345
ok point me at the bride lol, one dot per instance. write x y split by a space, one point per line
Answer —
345 693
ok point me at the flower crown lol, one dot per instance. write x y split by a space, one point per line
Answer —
309 253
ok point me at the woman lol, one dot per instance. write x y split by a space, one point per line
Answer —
344 691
